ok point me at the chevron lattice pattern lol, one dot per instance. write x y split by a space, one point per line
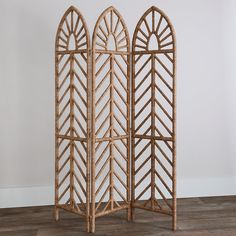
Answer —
153 116
111 103
95 144
72 128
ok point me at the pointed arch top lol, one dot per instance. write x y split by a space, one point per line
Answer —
110 24
73 28
154 23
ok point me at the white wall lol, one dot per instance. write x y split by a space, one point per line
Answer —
206 36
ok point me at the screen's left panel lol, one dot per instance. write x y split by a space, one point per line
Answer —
72 122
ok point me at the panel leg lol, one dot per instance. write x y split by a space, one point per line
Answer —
88 224
174 222
92 224
132 213
129 212
56 213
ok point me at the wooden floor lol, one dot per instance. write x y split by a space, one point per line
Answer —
196 217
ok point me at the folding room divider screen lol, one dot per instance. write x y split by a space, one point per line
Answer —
115 144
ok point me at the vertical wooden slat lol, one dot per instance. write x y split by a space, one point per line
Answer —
152 130
56 212
72 114
174 221
111 131
92 223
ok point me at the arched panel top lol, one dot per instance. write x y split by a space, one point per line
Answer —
154 31
109 27
72 33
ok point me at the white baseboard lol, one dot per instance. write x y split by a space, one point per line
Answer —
44 195
27 196
206 187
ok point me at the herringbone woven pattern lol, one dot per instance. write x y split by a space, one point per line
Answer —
111 105
72 122
93 171
153 116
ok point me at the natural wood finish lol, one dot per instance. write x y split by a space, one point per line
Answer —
110 24
94 176
72 25
153 23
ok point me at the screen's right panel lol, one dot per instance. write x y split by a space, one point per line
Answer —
153 115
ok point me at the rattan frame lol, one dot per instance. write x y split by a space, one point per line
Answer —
92 160
69 27
156 23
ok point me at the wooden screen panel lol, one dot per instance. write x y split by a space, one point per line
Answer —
72 186
153 114
111 112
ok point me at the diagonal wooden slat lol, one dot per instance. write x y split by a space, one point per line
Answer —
79 94
143 66
143 164
164 110
143 122
163 153
163 66
64 108
101 170
64 122
101 199
80 82
164 125
120 81
142 151
162 79
120 194
163 95
102 80
64 150
121 111
143 94
102 154
103 94
81 127
164 183
103 109
163 167
142 109
163 197
120 124
64 164
80 169
80 155
102 66
120 95
143 80
120 180
102 183
143 178
63 180
103 123
121 153
63 193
